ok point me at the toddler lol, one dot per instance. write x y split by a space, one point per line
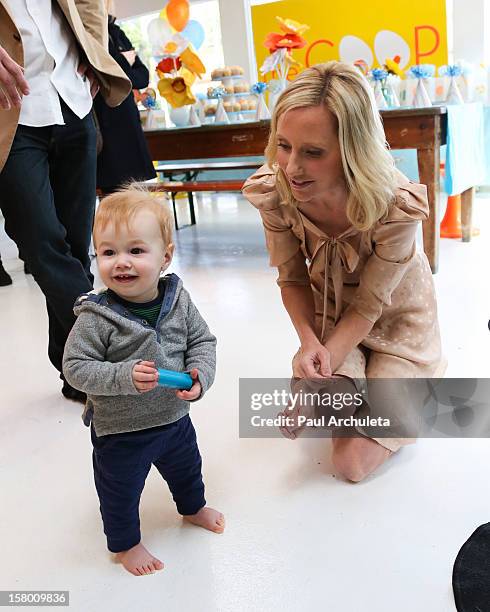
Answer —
141 321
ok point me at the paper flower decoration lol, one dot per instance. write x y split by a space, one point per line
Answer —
216 93
192 61
274 41
451 70
258 88
361 65
281 45
177 90
392 66
422 71
182 64
289 38
168 64
378 74
289 26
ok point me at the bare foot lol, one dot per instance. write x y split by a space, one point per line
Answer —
139 561
208 518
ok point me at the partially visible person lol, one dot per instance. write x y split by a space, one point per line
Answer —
141 321
53 60
124 155
5 278
340 224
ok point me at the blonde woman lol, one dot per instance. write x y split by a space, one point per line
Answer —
340 224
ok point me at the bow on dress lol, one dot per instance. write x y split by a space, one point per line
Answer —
337 253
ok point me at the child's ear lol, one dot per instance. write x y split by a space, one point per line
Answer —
167 258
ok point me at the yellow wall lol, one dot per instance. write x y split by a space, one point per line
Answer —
371 30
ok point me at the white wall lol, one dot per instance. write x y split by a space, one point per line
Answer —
130 8
469 36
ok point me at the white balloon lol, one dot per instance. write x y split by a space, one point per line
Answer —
353 48
159 32
388 44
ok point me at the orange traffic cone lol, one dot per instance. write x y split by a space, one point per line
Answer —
451 224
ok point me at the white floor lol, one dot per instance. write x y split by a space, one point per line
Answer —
297 538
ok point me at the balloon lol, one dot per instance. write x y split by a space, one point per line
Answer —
159 32
178 14
194 32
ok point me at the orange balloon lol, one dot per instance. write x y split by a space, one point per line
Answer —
178 14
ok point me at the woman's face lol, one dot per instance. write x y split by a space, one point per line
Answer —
308 152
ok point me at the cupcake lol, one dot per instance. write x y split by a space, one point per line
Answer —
236 70
217 73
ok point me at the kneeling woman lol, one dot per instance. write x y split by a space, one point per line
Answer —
340 224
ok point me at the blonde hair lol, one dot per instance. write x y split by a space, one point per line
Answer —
369 169
122 206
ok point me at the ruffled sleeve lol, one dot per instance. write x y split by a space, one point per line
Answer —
283 245
394 246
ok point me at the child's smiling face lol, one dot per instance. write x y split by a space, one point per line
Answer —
131 259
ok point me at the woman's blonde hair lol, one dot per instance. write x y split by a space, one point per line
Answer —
121 207
368 166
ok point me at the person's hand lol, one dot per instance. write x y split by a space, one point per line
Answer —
312 361
195 391
130 56
145 376
12 82
86 72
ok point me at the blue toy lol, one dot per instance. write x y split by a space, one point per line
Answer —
175 380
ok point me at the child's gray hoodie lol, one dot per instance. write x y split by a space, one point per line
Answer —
107 341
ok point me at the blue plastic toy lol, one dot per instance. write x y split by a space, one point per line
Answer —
175 380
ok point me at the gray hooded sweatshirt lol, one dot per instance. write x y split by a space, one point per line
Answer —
107 341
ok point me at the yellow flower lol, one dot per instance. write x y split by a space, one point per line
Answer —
291 62
192 61
177 90
394 68
289 26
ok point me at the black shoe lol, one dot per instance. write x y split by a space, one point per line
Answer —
27 270
5 278
73 394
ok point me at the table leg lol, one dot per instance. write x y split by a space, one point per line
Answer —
467 198
428 163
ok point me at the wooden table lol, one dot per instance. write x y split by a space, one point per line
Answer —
424 129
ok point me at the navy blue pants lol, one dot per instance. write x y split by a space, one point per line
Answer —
47 196
121 464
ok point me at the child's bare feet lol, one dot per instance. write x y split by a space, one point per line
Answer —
139 561
208 518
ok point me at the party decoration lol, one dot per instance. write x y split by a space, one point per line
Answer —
178 14
177 89
281 45
262 112
453 93
379 76
159 32
362 66
421 72
392 66
194 118
194 32
178 66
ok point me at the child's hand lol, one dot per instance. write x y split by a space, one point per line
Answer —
145 376
195 391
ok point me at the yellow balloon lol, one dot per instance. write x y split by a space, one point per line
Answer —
163 13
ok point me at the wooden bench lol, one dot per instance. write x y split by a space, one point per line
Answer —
189 187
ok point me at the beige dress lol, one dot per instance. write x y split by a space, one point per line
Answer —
379 273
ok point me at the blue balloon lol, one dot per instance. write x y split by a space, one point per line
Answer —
194 32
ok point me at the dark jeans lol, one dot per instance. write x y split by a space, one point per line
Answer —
121 464
47 196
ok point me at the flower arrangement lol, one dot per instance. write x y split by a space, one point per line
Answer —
281 46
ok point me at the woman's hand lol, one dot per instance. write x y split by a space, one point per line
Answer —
145 376
12 82
195 391
312 361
